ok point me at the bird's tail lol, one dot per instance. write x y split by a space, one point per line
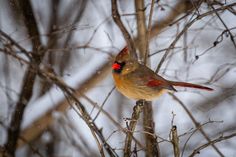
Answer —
190 85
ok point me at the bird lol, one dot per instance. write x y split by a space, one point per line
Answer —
136 81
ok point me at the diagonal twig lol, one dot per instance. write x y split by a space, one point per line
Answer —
221 138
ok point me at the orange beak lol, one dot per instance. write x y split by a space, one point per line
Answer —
116 66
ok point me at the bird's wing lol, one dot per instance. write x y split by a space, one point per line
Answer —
147 77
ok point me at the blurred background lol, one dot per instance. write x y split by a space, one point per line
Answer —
57 92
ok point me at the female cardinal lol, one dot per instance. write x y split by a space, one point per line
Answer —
137 81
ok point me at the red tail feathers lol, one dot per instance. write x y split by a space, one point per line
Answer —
190 85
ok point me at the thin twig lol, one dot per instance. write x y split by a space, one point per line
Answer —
101 107
193 132
221 138
226 27
93 131
14 43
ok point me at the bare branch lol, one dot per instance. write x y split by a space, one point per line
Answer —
175 141
226 27
148 32
29 78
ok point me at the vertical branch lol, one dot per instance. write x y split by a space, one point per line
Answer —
128 39
152 147
148 123
29 78
175 141
149 31
141 25
131 127
30 23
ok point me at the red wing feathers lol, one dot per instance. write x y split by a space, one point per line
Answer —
154 83
161 84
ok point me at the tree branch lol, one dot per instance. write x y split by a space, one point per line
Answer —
131 127
29 78
128 39
175 141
